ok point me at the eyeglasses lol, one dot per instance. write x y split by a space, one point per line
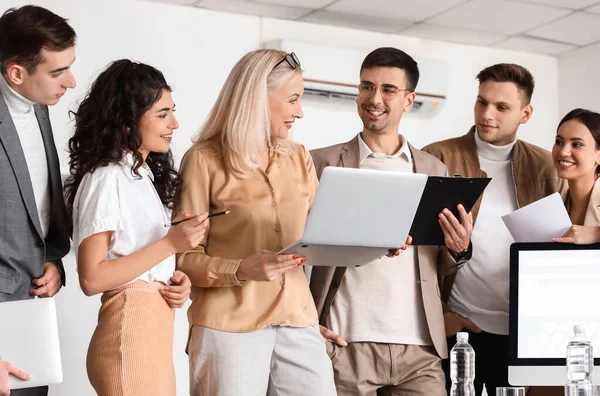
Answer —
291 60
388 92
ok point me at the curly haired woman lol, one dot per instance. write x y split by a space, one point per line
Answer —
119 194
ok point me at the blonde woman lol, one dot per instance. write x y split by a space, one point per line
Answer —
253 321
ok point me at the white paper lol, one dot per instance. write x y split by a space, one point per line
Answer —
539 221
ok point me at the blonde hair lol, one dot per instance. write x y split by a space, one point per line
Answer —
239 121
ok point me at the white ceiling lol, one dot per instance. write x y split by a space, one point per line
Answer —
550 27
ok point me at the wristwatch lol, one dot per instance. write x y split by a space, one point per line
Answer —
458 257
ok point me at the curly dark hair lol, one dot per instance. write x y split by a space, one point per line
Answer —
107 124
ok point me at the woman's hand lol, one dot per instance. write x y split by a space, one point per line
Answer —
188 234
580 235
266 266
177 293
396 252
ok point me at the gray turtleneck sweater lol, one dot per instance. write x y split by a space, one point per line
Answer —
480 291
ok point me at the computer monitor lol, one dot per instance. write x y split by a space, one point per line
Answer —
553 286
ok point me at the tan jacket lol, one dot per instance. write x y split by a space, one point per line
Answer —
533 171
432 260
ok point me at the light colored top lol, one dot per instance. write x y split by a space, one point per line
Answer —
481 288
112 198
382 301
268 211
23 116
364 151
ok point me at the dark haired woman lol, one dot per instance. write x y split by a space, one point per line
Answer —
576 155
119 195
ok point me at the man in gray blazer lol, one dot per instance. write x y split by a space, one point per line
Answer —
37 49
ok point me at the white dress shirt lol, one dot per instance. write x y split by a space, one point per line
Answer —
365 152
112 198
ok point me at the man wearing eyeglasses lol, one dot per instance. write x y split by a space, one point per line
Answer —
384 320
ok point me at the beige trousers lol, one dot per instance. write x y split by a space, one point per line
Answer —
369 369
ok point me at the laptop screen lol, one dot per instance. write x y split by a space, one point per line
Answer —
558 286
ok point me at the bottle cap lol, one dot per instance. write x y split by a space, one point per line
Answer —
579 329
462 337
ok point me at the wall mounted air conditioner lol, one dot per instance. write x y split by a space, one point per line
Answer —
332 74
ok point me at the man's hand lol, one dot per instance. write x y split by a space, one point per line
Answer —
580 235
454 323
7 369
457 235
329 335
178 292
49 284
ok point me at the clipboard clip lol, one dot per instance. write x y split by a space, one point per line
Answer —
458 176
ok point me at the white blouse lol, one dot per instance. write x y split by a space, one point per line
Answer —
112 198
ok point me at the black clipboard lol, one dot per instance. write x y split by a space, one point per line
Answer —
443 192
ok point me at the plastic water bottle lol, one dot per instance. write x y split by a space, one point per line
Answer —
462 367
580 363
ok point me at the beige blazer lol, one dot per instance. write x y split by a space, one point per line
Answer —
432 260
592 213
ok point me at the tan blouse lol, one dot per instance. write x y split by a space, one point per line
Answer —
268 211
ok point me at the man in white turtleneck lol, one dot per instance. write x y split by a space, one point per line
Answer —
476 299
37 49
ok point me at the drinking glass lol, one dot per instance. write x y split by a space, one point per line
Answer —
510 391
579 389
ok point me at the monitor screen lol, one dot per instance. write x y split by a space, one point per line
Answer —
552 287
557 289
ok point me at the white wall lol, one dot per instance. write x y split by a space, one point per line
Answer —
323 126
579 81
196 49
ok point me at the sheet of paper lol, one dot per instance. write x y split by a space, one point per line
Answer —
539 221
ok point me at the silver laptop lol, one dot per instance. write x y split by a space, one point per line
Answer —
29 340
358 215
